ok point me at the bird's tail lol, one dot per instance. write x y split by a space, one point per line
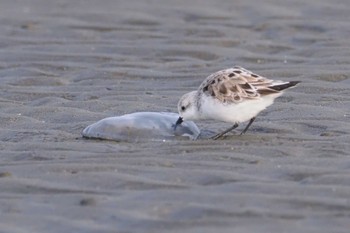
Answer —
283 86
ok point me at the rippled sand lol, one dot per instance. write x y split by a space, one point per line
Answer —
66 64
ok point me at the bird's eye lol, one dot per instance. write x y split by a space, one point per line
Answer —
183 108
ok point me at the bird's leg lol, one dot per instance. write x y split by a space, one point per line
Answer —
246 128
219 135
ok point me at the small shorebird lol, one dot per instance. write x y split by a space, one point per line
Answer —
232 95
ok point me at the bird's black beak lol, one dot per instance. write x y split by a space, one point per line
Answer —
178 122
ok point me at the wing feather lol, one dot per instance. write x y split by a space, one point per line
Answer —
237 84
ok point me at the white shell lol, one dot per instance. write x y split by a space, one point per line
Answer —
141 126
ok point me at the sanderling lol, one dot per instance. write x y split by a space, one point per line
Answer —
232 95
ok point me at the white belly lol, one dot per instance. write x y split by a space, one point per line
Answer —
234 113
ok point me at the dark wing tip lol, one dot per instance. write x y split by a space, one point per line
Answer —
284 86
293 83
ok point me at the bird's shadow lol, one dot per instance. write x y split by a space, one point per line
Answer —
208 134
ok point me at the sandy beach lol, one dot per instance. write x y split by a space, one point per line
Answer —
66 64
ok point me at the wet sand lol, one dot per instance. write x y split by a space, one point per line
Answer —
66 64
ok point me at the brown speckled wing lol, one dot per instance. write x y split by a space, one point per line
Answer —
235 85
